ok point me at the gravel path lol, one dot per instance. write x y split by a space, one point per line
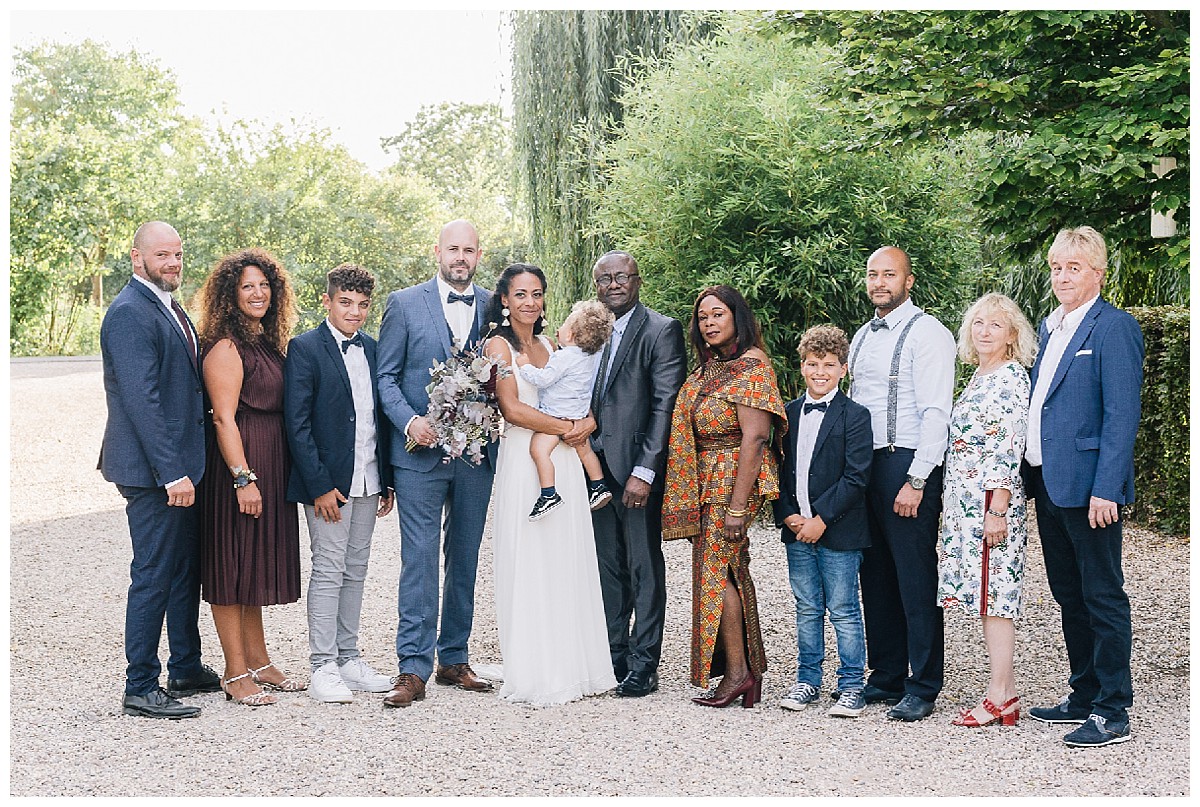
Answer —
69 572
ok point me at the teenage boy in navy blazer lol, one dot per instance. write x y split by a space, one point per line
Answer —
822 513
341 474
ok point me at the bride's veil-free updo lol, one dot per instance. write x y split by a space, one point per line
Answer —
493 317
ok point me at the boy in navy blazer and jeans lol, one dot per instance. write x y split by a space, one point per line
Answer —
341 474
822 513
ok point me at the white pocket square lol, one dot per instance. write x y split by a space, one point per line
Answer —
1084 353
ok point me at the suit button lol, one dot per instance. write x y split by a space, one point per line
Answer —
352 418
200 422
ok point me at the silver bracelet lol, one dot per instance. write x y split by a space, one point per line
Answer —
992 512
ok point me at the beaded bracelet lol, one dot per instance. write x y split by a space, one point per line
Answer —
992 512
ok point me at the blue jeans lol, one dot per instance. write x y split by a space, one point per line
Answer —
826 579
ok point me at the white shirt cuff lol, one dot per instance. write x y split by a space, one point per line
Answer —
410 422
170 485
643 473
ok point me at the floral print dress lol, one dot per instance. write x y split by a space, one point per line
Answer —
987 440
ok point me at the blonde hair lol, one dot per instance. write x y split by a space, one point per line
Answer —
1024 347
1082 241
591 324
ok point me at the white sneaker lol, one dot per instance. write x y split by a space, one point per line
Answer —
327 685
359 676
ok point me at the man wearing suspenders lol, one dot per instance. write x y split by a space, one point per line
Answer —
902 371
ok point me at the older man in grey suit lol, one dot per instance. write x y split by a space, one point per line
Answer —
639 375
442 506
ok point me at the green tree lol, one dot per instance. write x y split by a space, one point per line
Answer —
568 68
1081 105
91 132
465 153
296 193
729 168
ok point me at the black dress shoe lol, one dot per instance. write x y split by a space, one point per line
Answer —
638 684
204 681
910 708
157 703
873 694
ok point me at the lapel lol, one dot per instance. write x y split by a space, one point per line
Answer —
1081 334
172 324
334 351
433 303
482 297
793 436
636 322
836 407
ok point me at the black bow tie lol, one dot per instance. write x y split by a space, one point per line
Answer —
820 407
877 323
353 340
455 297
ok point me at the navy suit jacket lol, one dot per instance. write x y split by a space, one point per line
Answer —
1093 406
318 412
837 474
155 396
412 335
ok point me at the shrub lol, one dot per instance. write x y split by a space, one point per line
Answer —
1162 456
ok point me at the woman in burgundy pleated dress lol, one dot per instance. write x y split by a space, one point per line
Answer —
250 540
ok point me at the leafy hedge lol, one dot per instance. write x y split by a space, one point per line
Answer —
1162 456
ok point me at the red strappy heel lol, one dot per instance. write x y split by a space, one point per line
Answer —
998 713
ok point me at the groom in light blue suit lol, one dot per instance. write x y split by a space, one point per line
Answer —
435 501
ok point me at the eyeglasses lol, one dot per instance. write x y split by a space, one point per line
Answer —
620 278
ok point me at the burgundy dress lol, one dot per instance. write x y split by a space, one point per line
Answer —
246 560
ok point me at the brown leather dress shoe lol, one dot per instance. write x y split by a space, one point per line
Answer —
406 688
463 677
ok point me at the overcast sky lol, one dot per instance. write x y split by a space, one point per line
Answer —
362 74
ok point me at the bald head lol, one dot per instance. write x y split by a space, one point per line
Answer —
889 279
457 253
157 255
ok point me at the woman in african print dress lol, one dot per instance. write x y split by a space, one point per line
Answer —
721 468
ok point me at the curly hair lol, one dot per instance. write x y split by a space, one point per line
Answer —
591 324
493 315
219 314
1025 343
823 340
745 324
349 277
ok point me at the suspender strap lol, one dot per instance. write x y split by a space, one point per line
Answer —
893 377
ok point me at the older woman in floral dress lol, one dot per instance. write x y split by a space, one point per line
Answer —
982 559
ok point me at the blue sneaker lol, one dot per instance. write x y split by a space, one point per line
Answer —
1096 731
799 696
1062 713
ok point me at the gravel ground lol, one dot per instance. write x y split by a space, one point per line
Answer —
69 572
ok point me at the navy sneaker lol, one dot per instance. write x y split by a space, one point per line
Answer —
1096 731
598 497
1063 713
543 506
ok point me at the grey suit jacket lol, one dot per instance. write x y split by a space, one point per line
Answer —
412 335
633 413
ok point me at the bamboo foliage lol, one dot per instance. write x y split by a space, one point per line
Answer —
568 70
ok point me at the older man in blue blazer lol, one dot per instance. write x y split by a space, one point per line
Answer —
423 324
341 474
1083 419
153 451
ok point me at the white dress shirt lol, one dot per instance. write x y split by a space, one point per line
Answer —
806 441
459 316
640 471
165 298
926 384
365 480
1062 327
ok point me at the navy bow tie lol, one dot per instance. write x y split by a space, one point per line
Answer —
353 340
877 323
455 297
820 407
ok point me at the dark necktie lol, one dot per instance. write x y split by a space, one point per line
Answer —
877 323
187 329
353 340
820 407
455 297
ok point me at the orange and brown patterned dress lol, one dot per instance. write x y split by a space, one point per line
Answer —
701 469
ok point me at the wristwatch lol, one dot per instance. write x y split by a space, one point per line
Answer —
916 482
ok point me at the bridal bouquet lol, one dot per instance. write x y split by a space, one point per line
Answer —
462 403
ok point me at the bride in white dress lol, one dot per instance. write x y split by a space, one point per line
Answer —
549 609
